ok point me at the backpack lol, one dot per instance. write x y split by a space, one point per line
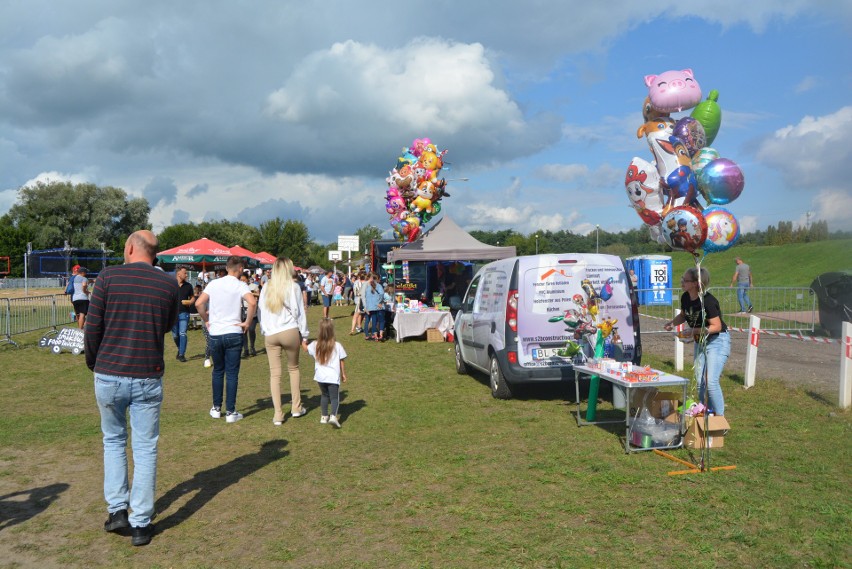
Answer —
70 288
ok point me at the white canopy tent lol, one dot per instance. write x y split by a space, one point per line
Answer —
446 241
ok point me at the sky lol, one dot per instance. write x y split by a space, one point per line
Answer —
250 110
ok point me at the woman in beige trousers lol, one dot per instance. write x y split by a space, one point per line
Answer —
285 328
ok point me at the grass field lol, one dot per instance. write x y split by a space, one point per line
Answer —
794 265
427 471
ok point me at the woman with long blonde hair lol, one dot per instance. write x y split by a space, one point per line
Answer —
285 328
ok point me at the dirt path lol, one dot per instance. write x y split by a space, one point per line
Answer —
814 367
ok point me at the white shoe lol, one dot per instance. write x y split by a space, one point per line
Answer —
323 419
207 362
299 413
233 417
332 420
216 412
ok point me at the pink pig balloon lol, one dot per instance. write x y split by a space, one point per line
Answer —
673 91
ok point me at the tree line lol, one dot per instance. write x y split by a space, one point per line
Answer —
87 216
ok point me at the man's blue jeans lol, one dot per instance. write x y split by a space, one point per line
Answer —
742 296
143 397
225 352
179 332
713 355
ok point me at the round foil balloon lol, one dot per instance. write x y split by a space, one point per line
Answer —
702 158
723 229
691 132
684 229
721 181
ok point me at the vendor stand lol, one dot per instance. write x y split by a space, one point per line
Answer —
630 378
410 323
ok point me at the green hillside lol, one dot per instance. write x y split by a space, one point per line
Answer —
794 265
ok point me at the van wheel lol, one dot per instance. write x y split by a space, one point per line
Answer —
461 367
499 388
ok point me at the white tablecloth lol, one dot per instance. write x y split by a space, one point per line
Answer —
409 324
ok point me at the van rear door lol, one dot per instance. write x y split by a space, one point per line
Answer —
565 297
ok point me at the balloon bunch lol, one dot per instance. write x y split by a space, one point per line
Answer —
665 193
414 190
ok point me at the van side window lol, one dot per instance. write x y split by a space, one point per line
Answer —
471 295
495 285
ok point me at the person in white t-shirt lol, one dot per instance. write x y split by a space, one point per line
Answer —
219 306
328 370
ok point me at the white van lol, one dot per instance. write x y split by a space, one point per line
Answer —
518 314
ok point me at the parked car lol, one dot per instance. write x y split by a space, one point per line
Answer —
520 314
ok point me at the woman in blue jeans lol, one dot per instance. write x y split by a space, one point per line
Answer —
701 311
374 296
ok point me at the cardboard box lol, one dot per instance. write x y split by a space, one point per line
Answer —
661 405
434 335
695 436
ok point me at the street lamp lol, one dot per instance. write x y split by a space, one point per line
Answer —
597 241
536 243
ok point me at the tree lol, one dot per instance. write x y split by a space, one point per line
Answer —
178 234
295 240
13 244
83 214
366 234
272 236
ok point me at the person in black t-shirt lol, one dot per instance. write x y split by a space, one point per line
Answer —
186 299
701 311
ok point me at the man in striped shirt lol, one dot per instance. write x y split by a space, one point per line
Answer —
133 307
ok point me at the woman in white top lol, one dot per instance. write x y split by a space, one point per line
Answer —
285 327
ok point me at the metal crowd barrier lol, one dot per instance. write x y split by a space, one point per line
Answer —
45 282
779 308
31 313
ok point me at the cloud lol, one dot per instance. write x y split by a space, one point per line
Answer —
525 219
197 190
160 190
360 92
806 84
813 154
180 216
271 209
834 206
604 176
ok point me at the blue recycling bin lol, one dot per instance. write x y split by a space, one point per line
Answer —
655 278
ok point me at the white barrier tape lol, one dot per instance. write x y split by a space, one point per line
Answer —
783 335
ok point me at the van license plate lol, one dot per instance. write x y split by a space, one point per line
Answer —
544 353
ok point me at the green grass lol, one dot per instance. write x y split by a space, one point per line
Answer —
795 265
427 471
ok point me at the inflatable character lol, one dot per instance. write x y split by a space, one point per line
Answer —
673 90
657 135
424 197
642 183
681 182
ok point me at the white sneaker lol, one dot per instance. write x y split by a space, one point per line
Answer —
216 412
299 413
323 419
233 417
332 420
207 362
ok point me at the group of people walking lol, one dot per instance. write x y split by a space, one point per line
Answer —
134 305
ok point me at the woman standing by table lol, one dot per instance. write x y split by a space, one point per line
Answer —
700 309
